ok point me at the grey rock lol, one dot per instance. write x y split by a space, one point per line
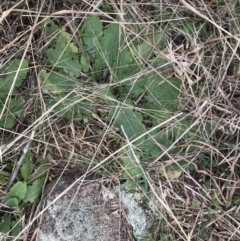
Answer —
92 212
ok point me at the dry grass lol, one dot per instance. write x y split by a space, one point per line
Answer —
202 203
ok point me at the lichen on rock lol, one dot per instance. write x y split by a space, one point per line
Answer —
93 212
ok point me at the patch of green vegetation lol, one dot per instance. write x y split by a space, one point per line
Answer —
20 191
63 55
103 47
27 190
9 226
142 94
12 76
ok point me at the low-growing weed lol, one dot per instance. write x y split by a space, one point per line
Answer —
146 94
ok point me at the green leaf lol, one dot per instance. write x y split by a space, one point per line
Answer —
34 190
92 30
164 93
236 201
42 170
124 66
145 50
27 167
152 42
181 165
131 169
51 31
189 27
134 89
56 82
16 227
13 110
64 54
5 223
4 177
133 184
104 50
85 66
9 72
163 64
107 48
178 128
150 149
159 40
198 28
131 121
71 108
12 202
18 190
